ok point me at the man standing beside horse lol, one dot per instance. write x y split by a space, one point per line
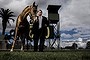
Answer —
40 31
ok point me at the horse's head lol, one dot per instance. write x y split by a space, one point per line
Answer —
30 10
34 9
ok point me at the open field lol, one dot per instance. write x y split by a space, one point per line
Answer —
49 55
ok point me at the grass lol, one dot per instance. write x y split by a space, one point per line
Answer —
54 55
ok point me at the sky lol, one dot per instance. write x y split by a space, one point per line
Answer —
74 15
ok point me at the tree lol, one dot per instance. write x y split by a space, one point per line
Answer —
74 46
6 15
88 45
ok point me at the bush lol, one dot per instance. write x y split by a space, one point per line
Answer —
88 45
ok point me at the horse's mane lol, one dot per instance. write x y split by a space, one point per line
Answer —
25 10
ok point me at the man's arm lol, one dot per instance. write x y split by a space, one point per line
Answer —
46 22
48 30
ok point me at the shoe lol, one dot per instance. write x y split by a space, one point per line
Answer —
41 51
35 51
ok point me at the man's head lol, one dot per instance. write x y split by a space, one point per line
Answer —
39 13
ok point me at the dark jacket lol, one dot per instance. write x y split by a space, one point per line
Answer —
45 23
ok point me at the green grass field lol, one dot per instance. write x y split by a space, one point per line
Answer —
53 55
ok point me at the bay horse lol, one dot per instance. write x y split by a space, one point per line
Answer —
22 25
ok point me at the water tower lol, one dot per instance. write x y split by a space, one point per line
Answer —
53 17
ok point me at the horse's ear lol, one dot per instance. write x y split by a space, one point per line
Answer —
34 4
37 5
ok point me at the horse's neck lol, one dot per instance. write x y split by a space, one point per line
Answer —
23 16
25 10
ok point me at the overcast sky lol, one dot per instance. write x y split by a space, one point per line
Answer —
74 15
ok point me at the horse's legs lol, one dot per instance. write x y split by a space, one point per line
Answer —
22 42
27 45
21 47
12 46
14 39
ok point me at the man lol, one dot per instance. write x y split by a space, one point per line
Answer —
39 31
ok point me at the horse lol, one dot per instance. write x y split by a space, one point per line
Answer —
22 25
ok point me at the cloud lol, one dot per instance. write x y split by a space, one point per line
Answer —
76 36
71 37
66 36
73 14
18 5
76 13
75 33
3 3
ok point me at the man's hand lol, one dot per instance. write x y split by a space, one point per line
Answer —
36 19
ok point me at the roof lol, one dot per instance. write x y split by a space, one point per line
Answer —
53 8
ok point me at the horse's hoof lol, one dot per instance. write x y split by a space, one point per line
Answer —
11 50
21 49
